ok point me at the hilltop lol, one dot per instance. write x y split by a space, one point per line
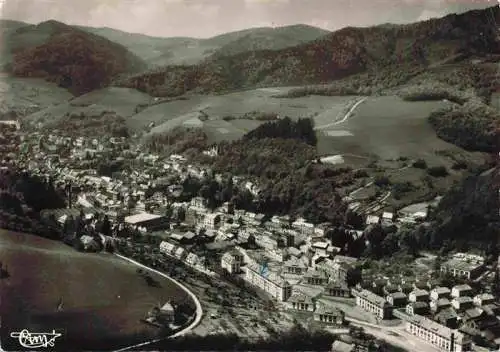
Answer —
70 57
157 51
406 49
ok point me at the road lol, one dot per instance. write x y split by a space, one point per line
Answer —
199 309
346 116
395 335
382 198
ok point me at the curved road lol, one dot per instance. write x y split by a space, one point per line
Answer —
199 309
346 116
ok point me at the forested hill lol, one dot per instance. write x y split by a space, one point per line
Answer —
64 54
469 213
345 52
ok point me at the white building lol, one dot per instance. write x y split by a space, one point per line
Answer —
300 301
232 261
438 335
270 282
373 303
167 248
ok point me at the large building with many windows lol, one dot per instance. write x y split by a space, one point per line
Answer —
373 303
270 282
438 335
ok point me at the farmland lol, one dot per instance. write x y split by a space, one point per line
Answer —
103 297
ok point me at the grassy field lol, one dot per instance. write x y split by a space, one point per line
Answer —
214 108
28 94
387 127
103 297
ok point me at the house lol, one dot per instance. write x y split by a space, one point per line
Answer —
232 261
420 308
329 315
294 266
372 219
180 253
320 248
388 218
438 335
373 303
440 292
397 299
461 290
211 221
167 313
300 301
483 299
337 289
192 259
316 277
462 268
447 317
462 303
151 222
341 346
418 295
440 304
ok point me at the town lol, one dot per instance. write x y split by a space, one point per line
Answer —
302 270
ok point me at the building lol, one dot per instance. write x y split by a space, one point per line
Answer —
420 308
397 299
461 291
167 313
295 266
373 303
337 289
329 315
316 277
418 295
440 292
341 346
270 282
300 301
465 269
211 221
440 304
151 222
438 335
483 299
232 261
462 303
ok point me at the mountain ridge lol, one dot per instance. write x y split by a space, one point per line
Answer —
74 59
348 51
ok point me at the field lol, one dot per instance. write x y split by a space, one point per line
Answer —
22 95
103 297
212 109
388 128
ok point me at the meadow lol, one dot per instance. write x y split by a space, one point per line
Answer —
103 297
386 127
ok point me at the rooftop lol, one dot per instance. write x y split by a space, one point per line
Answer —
141 217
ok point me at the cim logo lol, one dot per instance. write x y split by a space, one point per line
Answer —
35 340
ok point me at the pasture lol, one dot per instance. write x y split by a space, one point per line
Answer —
211 109
103 297
387 128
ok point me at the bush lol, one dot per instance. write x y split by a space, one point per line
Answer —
459 165
382 181
437 171
420 164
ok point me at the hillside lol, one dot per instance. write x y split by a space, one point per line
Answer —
405 48
72 58
189 51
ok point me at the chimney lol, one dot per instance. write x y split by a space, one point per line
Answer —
452 343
